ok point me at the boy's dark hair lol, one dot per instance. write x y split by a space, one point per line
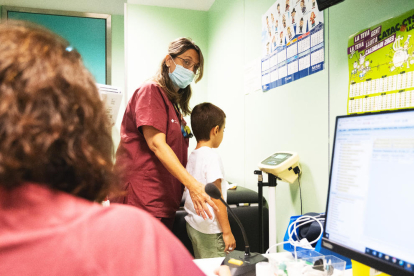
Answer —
204 117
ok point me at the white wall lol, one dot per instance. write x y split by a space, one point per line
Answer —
180 4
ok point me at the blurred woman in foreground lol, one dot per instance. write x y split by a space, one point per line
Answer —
55 161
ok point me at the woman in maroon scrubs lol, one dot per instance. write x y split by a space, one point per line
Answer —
154 138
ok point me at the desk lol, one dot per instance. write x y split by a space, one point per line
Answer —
209 265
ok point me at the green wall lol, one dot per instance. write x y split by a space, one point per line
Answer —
149 30
349 18
299 116
118 68
118 63
292 117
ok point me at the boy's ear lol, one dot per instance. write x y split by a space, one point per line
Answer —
216 129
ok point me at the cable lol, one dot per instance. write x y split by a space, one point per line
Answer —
300 192
319 217
292 229
298 171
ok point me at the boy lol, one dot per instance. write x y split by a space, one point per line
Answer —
210 238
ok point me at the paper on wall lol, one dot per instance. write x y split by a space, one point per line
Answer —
380 66
252 76
112 97
292 42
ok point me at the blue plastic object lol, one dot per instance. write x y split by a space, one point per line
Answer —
318 247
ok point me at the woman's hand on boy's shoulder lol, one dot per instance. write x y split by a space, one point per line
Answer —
200 200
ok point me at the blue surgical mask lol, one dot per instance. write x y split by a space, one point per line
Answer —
181 77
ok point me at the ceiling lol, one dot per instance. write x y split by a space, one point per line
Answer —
202 5
107 6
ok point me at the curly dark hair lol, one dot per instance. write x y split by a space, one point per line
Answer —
53 127
183 96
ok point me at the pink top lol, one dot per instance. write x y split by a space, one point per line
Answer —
45 232
148 183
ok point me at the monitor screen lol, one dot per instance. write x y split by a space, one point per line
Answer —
371 191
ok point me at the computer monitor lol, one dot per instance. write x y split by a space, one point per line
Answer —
370 205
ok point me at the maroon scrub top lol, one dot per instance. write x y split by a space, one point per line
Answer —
147 182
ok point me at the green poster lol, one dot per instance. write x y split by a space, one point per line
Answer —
381 66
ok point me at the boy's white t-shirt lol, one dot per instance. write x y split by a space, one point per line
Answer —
205 165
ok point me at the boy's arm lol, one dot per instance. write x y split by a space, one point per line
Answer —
223 219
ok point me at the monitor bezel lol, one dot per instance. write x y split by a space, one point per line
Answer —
363 258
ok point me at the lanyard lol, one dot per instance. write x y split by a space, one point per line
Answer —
185 130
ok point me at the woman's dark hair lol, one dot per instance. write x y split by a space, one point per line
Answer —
204 117
53 126
182 97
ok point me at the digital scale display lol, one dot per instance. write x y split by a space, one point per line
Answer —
276 159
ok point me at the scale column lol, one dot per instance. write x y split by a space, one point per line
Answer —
272 211
260 199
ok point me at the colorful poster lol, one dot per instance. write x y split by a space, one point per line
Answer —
292 42
381 66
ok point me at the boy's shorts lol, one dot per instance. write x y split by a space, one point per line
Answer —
206 245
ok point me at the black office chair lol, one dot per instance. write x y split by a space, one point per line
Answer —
245 204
